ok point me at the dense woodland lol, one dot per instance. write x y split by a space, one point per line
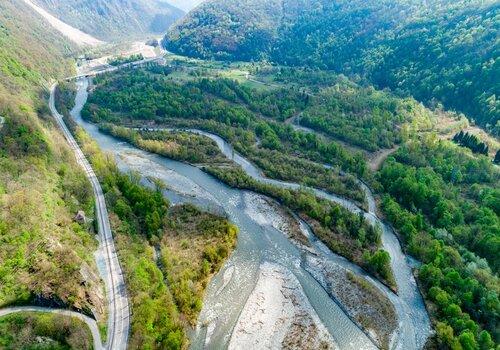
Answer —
437 51
442 198
143 97
445 204
345 233
115 20
347 106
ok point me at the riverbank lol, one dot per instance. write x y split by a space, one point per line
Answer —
367 305
353 237
225 299
228 291
166 289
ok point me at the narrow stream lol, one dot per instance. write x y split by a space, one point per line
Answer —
260 241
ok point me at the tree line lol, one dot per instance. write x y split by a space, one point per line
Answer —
470 141
445 205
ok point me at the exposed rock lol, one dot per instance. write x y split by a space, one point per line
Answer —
95 291
80 217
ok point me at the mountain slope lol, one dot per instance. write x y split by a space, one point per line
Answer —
75 35
439 49
185 5
115 19
46 257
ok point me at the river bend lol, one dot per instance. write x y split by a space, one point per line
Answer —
262 242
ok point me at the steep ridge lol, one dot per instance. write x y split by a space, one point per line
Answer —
116 19
444 50
46 257
71 33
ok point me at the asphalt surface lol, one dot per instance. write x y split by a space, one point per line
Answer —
90 322
119 311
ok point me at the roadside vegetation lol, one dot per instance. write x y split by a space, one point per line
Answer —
168 253
44 332
118 61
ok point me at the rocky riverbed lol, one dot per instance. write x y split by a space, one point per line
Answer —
278 315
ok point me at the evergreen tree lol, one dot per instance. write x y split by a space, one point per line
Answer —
471 141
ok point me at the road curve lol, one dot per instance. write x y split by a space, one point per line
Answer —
119 312
90 322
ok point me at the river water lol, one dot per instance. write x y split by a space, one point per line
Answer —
260 241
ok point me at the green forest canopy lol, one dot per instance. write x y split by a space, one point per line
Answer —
437 51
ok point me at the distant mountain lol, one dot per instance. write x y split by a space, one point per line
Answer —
30 51
435 50
185 5
115 19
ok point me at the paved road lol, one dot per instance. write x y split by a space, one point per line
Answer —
108 68
119 310
90 322
119 313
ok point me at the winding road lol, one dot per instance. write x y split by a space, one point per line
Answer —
414 324
119 312
90 322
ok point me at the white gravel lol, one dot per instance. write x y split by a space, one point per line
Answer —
278 315
262 212
172 179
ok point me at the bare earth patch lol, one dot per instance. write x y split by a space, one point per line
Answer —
75 35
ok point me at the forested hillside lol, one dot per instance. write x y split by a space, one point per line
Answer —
115 19
46 257
438 51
